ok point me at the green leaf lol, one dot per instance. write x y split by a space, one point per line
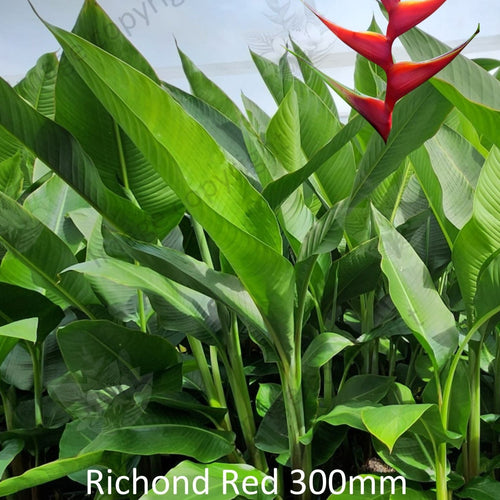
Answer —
212 483
413 293
97 347
11 176
217 194
348 413
23 329
480 488
177 439
401 418
479 240
277 191
416 118
326 233
466 85
283 134
38 86
59 150
10 449
208 91
191 273
52 471
188 303
51 204
122 167
457 166
43 253
364 388
323 348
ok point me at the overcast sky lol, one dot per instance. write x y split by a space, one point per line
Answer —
217 34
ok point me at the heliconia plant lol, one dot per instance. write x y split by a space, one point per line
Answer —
189 285
402 77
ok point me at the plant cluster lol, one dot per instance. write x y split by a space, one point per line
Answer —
186 285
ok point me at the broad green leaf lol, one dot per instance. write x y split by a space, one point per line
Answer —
257 117
24 329
364 388
480 488
313 80
194 274
217 194
411 456
272 76
323 348
413 293
10 449
213 481
272 435
348 413
43 253
122 167
208 91
416 118
277 191
466 85
226 133
93 347
188 303
283 134
429 182
266 396
201 444
59 150
52 471
51 204
38 86
401 418
488 288
11 176
326 233
479 240
457 166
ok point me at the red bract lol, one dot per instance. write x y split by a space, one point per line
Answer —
374 46
373 110
402 77
405 15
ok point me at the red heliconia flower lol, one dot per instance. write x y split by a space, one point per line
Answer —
374 46
407 14
403 77
373 110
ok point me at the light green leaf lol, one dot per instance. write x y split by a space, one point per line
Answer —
52 471
10 449
213 190
63 154
43 253
401 418
413 293
323 348
201 444
23 329
38 86
457 166
212 483
11 176
479 240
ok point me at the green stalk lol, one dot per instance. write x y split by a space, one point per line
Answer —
239 389
234 366
441 477
36 352
474 431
